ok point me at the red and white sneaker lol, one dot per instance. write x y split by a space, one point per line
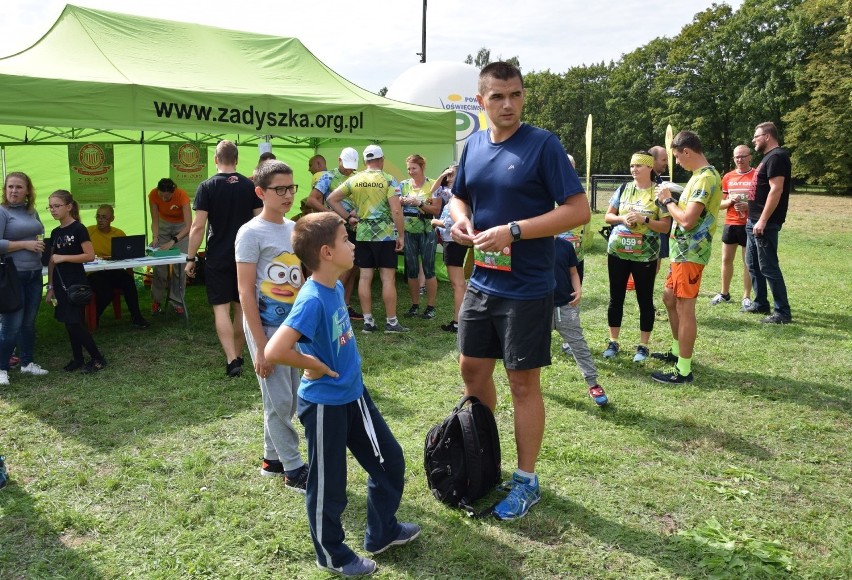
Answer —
597 394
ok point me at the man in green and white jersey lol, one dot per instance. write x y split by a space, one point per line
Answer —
695 217
374 195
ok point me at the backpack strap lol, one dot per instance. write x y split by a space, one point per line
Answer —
473 457
495 440
465 399
470 439
477 515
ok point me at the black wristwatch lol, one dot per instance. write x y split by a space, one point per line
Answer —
192 259
174 239
668 200
515 229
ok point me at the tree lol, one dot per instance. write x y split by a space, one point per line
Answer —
483 57
785 61
705 72
818 129
383 91
772 56
637 100
561 103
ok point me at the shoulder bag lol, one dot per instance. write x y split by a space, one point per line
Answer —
10 287
78 294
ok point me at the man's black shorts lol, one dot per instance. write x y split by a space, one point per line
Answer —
517 331
376 254
454 254
221 281
734 235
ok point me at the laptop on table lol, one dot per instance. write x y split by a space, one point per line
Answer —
128 247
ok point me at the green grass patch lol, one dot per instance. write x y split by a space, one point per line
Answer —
149 469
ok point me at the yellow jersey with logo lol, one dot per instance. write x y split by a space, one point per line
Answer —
416 221
639 243
369 192
694 245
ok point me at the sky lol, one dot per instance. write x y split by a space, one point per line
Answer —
371 44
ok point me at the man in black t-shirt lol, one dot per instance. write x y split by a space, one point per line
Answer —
767 210
227 201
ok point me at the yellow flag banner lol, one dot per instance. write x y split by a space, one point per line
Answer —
669 139
586 241
91 167
187 165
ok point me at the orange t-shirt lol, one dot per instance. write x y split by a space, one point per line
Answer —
172 210
736 183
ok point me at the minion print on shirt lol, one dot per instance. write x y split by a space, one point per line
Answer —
278 288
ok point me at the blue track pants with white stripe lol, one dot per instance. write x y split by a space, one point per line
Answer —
329 431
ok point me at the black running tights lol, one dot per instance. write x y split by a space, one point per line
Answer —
80 338
643 278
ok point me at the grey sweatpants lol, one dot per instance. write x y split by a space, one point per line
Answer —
278 391
566 321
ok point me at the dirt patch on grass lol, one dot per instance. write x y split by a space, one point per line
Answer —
819 211
668 525
70 539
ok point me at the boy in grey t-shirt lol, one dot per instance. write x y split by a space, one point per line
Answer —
269 276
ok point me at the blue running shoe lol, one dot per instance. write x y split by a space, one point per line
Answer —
523 496
360 566
611 349
642 354
407 533
4 477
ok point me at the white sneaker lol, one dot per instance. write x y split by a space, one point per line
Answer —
719 298
4 377
34 369
746 303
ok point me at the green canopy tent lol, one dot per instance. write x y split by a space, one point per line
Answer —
141 83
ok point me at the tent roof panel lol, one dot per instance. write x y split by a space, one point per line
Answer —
109 70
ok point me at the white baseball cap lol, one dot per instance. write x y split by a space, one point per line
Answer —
373 152
349 158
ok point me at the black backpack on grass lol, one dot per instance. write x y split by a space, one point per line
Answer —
462 455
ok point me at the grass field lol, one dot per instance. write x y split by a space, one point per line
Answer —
150 468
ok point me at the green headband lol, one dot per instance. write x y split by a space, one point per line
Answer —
642 159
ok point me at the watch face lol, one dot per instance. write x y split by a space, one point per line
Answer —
515 229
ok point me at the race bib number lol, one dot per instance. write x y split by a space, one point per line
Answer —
628 243
575 240
501 260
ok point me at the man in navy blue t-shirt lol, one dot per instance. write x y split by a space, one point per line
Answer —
514 190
